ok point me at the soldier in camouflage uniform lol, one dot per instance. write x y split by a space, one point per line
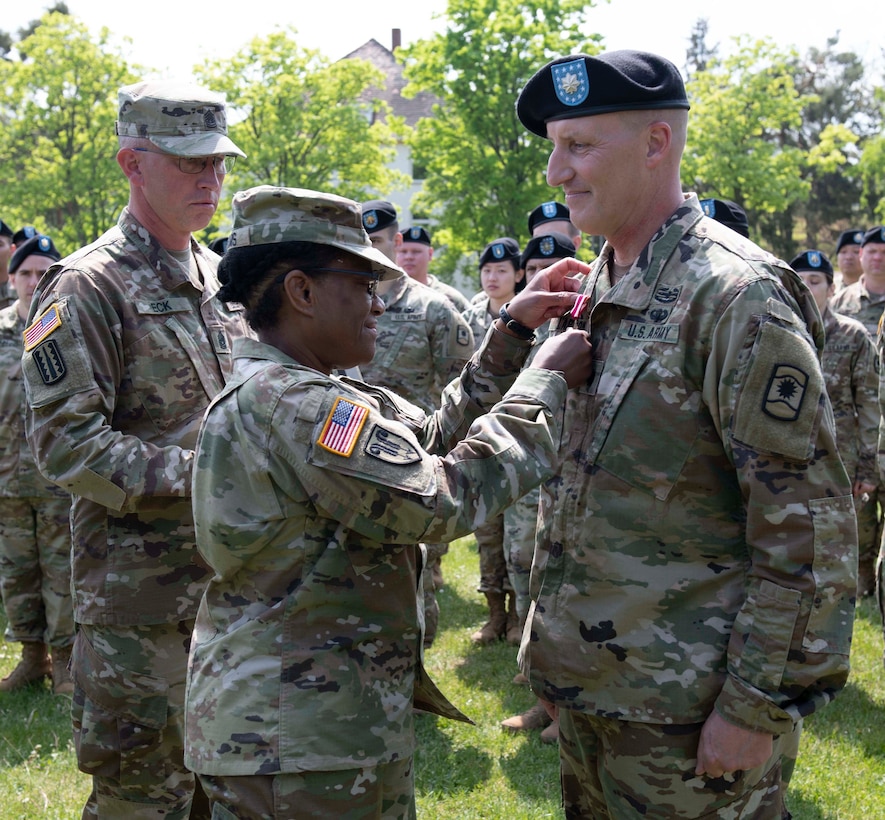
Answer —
126 347
553 218
413 255
694 579
865 301
501 278
423 343
310 492
851 370
848 258
35 536
521 519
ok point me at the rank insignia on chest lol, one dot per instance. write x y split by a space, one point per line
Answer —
42 327
343 426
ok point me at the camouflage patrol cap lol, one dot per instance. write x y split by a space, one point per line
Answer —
583 86
813 260
179 118
853 236
268 214
38 245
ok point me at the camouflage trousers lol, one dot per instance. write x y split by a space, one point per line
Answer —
430 576
617 770
492 564
869 538
384 792
35 569
520 527
128 721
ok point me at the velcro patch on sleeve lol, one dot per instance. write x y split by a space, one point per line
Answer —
343 426
42 327
778 405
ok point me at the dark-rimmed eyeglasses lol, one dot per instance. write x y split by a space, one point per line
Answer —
372 286
196 165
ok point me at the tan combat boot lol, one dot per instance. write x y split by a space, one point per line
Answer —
534 718
62 683
32 668
494 629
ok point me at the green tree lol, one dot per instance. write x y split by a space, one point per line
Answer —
743 109
485 172
57 144
305 122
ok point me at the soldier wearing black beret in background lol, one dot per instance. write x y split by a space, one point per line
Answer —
675 623
848 257
423 343
414 254
553 217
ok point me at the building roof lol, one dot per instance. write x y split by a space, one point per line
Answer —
410 109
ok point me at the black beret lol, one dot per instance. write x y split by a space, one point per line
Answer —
504 249
39 245
814 261
24 233
417 234
874 235
219 245
582 86
5 230
548 246
728 213
853 236
548 212
378 214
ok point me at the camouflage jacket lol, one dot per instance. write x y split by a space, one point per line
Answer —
19 477
310 494
698 545
479 318
125 355
858 303
7 294
851 372
423 343
458 299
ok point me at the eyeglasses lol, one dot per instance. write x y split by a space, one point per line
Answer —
196 165
373 284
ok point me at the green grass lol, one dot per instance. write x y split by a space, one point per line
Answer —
479 772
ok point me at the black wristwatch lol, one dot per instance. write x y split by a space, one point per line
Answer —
515 327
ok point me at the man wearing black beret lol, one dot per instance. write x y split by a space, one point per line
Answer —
676 626
7 294
848 257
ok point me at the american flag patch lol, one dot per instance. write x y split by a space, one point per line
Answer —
42 327
343 426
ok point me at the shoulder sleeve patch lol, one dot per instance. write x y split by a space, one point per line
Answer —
42 327
778 405
343 426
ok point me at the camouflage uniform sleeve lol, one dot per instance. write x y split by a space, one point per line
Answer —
388 488
865 387
880 359
451 342
71 381
788 649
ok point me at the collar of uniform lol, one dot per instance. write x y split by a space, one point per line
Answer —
392 294
638 286
171 272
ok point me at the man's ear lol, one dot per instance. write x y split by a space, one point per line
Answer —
129 162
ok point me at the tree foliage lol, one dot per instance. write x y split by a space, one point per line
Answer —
57 144
485 172
304 121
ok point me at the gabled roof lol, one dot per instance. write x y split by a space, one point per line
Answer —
409 109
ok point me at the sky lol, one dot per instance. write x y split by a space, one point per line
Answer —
170 36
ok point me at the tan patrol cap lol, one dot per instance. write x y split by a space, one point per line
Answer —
179 118
268 214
